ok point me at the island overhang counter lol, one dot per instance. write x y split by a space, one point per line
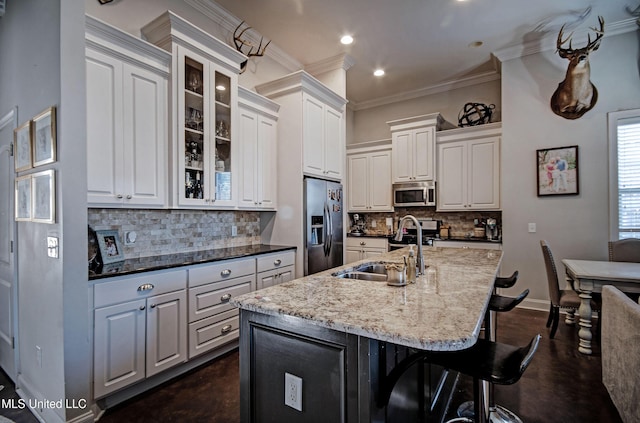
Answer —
342 337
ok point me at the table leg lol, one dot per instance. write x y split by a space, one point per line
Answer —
585 318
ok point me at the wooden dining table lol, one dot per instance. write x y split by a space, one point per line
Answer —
589 276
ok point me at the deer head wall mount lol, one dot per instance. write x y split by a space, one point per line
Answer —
242 45
576 95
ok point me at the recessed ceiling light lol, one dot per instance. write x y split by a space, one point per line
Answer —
346 39
378 72
475 44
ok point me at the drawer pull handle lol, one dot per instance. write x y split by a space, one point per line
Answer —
153 306
225 272
145 287
225 298
142 307
277 262
226 329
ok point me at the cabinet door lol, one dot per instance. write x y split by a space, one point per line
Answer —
104 129
266 178
251 162
267 279
380 181
119 346
166 331
402 156
370 253
313 135
358 168
452 176
423 155
286 274
484 174
334 143
145 137
353 255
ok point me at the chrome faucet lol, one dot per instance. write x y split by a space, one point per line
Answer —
398 237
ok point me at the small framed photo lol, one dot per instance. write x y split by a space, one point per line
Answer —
43 197
558 171
44 137
110 248
23 198
22 143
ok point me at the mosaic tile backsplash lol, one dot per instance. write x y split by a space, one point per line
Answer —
171 231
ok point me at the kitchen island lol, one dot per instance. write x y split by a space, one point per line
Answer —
344 337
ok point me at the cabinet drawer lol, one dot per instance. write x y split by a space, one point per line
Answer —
361 242
275 261
128 288
225 270
211 299
212 332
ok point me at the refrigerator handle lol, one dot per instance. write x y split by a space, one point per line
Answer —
325 225
330 235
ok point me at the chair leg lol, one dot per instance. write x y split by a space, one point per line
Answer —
550 319
556 318
571 317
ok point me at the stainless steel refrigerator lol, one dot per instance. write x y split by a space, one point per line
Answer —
323 225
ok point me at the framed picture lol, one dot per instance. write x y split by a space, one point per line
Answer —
43 197
22 143
558 171
23 198
110 248
44 137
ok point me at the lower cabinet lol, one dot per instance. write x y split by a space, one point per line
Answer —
470 244
276 268
364 248
140 328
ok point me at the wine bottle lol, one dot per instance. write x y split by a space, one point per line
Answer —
188 186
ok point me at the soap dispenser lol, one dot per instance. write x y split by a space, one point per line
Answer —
411 266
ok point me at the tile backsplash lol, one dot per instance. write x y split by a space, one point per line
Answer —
170 231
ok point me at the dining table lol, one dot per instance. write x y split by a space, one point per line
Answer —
588 276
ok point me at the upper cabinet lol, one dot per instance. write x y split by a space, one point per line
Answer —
258 151
413 143
469 168
204 141
311 124
127 119
369 179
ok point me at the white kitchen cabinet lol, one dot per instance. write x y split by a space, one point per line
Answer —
204 86
469 168
369 180
275 268
467 244
258 151
360 248
323 139
140 328
413 145
127 119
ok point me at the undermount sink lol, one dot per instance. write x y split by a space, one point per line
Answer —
372 268
366 271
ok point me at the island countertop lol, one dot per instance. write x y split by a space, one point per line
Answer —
442 311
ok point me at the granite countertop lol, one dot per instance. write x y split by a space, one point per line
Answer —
442 311
168 261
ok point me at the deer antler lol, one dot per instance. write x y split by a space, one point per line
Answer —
591 45
240 44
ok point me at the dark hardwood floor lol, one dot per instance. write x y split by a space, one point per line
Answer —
560 385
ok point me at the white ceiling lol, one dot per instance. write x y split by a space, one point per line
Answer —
421 44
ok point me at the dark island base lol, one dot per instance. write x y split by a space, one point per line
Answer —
345 378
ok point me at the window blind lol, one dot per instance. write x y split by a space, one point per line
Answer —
629 178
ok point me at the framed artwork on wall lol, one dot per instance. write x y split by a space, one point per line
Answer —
558 171
22 143
44 137
110 247
23 198
43 198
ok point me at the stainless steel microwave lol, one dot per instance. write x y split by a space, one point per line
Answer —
414 194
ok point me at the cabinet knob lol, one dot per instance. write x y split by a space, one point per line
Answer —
363 243
153 306
142 307
145 287
225 298
128 196
225 272
226 329
118 195
277 262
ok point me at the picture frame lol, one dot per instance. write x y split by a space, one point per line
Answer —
23 199
43 196
110 247
22 147
558 171
44 137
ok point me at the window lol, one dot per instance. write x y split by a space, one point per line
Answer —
624 174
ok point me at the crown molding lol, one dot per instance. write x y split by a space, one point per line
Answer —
257 103
341 61
301 81
229 22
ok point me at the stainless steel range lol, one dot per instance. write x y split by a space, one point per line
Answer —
430 231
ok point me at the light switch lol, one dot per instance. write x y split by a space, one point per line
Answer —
52 246
532 228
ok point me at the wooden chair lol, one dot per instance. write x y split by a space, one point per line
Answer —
566 299
625 250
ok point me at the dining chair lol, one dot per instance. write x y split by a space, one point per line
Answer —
566 299
625 250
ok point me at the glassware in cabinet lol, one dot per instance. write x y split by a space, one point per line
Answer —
194 130
222 153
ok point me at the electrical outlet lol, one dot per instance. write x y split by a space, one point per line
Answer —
373 224
532 228
293 391
234 230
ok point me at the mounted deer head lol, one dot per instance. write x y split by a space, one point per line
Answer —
576 95
241 44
